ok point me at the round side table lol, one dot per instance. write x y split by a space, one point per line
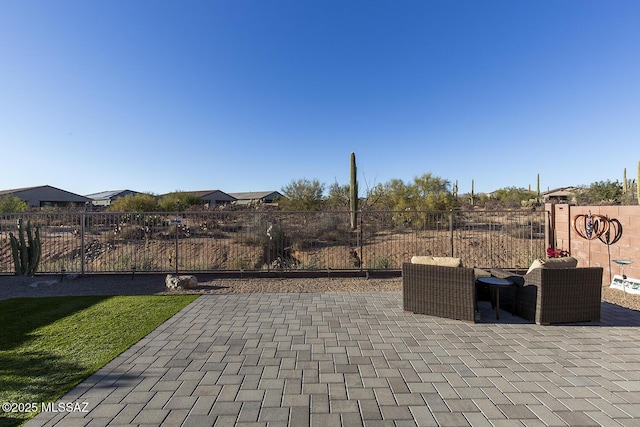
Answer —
495 284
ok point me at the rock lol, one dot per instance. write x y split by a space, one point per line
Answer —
181 282
44 283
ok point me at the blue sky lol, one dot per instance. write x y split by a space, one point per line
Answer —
249 95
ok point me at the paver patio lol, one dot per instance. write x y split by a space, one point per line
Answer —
352 359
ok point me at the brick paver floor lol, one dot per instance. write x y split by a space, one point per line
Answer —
357 359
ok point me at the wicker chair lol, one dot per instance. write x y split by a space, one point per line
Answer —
439 291
568 295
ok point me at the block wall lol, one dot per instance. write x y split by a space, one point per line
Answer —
595 252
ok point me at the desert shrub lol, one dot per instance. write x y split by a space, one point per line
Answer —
600 193
122 263
417 220
12 204
378 262
530 204
147 263
238 264
338 197
320 228
131 232
310 265
514 196
426 192
139 202
178 201
267 232
302 195
151 220
262 230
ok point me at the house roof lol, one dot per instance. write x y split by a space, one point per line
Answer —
205 193
40 187
18 190
560 192
107 194
255 195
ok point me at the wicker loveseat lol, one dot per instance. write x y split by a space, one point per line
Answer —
439 290
557 295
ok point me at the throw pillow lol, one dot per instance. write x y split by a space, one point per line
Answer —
564 262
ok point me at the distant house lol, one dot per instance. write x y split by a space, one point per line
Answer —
257 196
560 195
46 196
214 197
105 198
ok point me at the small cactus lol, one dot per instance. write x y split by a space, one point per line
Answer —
26 253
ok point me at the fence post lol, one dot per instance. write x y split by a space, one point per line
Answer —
177 227
82 231
451 231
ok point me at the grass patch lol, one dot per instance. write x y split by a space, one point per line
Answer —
49 345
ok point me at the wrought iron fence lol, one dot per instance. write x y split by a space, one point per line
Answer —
208 241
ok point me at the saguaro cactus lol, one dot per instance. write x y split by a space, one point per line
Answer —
26 253
638 183
353 193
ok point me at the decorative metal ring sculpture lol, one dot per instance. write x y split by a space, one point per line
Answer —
615 229
590 226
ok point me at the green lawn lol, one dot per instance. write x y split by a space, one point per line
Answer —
49 345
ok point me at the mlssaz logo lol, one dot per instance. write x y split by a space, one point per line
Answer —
65 407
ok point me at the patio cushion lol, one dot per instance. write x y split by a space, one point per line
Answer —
436 260
564 262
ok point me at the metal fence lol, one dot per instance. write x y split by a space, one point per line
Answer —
212 241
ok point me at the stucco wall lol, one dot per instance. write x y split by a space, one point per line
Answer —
594 252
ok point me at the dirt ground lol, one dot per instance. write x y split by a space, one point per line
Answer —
41 286
14 286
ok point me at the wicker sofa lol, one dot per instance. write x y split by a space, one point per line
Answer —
438 290
557 295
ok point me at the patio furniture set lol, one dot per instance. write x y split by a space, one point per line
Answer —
551 291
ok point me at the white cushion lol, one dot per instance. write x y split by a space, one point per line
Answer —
564 262
537 263
436 260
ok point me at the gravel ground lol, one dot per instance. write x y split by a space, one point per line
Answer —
617 297
41 286
14 286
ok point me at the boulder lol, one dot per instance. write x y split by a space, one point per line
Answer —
181 282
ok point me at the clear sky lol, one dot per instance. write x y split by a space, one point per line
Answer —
248 95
